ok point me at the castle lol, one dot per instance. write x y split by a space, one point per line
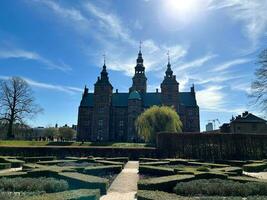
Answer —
110 116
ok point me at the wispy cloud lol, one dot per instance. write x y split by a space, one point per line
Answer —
196 63
251 13
211 97
42 85
231 63
28 55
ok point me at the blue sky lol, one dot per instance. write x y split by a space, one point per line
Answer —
57 46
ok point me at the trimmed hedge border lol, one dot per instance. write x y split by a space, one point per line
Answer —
54 162
5 165
80 194
156 163
255 167
155 170
78 181
101 169
210 175
164 183
155 195
37 158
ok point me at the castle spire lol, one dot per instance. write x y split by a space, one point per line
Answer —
169 71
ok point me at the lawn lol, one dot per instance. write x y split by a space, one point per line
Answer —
26 143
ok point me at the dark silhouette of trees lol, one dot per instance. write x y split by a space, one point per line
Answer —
16 103
259 85
158 119
66 133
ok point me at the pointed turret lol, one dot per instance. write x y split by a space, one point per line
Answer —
139 79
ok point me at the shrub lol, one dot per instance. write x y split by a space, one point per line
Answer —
164 183
232 170
5 165
102 169
255 167
156 163
36 159
118 159
218 187
210 175
154 170
155 195
33 184
203 169
80 194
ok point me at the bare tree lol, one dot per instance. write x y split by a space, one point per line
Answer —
259 85
16 103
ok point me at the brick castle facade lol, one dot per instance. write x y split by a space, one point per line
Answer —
110 116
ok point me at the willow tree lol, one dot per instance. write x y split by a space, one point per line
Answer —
157 119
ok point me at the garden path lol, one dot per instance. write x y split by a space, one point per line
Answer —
124 187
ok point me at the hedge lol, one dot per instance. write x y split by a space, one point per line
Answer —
155 195
148 160
177 161
237 163
244 179
80 194
78 180
106 162
118 159
164 183
54 162
232 170
219 187
15 163
211 165
5 165
159 195
210 175
101 169
32 184
155 170
37 158
255 167
156 163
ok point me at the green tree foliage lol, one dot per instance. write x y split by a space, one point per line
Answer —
51 132
66 133
157 119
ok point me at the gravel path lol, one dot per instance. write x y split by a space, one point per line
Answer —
124 187
260 175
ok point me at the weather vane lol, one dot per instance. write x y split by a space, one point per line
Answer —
104 57
168 53
140 45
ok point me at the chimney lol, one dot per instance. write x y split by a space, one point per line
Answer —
193 89
245 114
117 91
157 90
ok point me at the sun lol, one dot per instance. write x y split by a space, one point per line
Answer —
183 10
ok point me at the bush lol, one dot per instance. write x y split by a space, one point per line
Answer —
218 187
156 163
203 169
255 167
80 194
154 170
78 181
164 183
102 169
37 159
118 159
232 170
33 184
5 165
210 175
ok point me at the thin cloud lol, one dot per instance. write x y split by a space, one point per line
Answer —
28 55
196 63
230 63
251 13
42 85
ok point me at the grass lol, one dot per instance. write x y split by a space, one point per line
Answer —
26 143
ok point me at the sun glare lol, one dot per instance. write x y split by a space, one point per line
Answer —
183 10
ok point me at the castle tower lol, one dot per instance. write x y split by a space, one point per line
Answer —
170 88
134 110
102 107
139 79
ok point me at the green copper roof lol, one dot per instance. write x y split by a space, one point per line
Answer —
149 99
134 95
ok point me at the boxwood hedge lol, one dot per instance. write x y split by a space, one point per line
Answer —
155 170
255 167
101 169
164 183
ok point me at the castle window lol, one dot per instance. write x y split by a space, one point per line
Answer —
100 123
121 124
